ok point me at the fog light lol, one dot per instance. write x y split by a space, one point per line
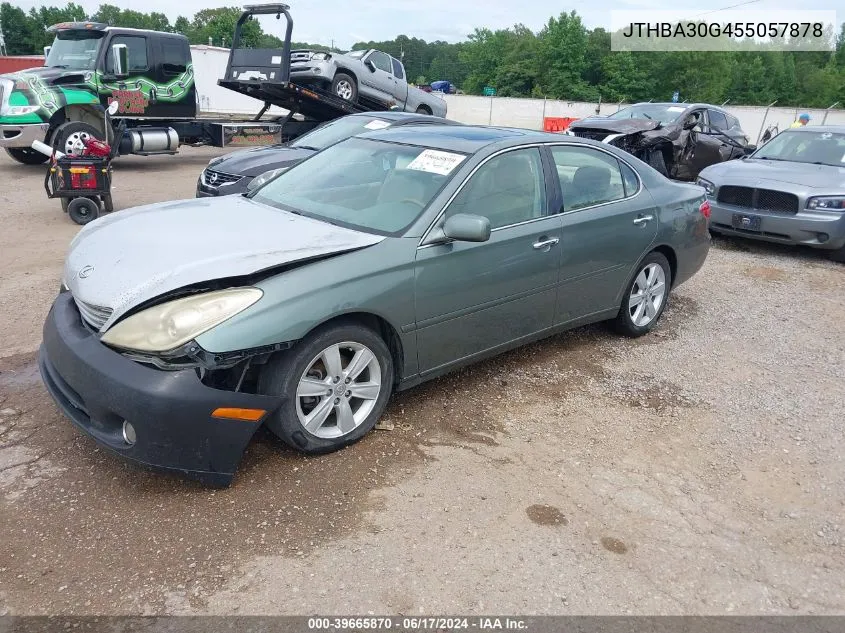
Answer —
823 237
315 70
128 433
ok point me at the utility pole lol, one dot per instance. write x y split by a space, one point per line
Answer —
2 41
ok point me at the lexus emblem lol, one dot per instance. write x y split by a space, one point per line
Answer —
85 271
212 178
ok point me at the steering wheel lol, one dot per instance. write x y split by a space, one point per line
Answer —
413 201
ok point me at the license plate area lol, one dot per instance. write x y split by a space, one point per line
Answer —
746 222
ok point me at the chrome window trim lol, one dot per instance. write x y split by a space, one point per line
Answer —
601 204
468 178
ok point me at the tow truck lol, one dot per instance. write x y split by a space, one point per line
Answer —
150 75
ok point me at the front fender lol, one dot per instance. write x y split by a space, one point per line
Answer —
377 280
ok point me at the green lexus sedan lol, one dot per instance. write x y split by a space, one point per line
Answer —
380 262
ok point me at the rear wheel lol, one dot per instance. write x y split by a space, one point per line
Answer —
345 87
27 155
83 210
645 297
70 138
337 382
423 110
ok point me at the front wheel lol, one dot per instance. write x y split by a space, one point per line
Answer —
83 210
337 382
70 138
645 297
345 87
27 155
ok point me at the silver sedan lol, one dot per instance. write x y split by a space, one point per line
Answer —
791 191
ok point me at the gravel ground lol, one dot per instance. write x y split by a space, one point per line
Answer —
698 470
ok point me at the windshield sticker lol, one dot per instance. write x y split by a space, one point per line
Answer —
436 162
674 109
377 124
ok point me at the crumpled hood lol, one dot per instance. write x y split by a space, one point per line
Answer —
133 256
617 126
254 162
750 171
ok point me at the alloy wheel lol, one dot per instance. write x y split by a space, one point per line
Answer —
647 295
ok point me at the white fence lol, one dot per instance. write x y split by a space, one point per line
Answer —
210 65
529 113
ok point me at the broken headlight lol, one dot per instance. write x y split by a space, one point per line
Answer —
709 187
168 325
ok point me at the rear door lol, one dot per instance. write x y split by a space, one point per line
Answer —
475 297
400 84
609 222
706 146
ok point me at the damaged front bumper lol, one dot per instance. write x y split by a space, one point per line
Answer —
168 413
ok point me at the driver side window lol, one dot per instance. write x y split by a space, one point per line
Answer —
381 61
136 52
508 189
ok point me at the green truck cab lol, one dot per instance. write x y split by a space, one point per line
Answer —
148 73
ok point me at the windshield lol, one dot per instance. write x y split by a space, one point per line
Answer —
654 111
363 184
76 50
338 130
821 148
356 54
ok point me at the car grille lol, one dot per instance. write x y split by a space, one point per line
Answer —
595 135
759 199
95 316
216 178
300 57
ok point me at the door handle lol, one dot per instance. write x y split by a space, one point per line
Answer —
643 219
546 244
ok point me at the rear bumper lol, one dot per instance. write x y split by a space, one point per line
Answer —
98 389
22 135
806 228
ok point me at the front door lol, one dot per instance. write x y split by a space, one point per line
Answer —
474 297
132 90
609 222
379 81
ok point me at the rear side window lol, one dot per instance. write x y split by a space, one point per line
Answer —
629 179
136 50
588 177
718 120
733 122
174 55
397 69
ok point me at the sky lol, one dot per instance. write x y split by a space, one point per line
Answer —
345 22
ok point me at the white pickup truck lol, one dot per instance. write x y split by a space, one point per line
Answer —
364 75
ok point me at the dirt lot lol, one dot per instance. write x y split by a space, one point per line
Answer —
698 470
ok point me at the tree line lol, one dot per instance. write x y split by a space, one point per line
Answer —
563 60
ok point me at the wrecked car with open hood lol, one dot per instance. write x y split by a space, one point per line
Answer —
678 140
379 262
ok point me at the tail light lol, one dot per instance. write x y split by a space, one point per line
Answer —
704 207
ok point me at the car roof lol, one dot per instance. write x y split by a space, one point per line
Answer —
836 129
685 106
467 139
393 115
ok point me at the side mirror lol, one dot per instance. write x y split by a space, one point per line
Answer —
690 123
369 64
120 55
463 227
113 107
47 51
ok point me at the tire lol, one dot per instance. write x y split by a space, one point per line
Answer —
423 110
65 204
656 160
643 285
68 137
27 155
284 373
108 205
83 210
838 255
345 87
